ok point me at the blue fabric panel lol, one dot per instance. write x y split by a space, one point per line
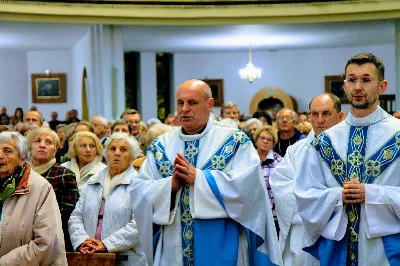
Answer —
391 244
216 242
214 187
329 252
257 258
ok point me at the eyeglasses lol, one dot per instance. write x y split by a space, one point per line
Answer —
288 118
365 82
266 139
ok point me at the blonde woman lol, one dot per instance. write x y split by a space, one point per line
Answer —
266 138
86 157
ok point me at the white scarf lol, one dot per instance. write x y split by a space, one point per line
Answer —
80 173
43 168
109 182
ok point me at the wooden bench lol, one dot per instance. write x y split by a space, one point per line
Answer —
97 259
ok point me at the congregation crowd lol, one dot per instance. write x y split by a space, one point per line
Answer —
277 188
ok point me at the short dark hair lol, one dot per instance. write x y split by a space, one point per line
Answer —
121 122
336 101
261 113
129 112
364 58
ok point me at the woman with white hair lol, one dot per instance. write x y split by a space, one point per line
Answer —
30 219
44 143
103 220
252 125
86 155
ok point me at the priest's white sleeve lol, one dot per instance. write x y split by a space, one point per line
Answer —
382 210
237 184
319 200
163 214
282 186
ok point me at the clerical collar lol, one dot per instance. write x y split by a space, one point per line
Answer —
198 132
378 115
185 137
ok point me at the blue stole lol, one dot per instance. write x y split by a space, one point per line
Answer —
367 170
216 241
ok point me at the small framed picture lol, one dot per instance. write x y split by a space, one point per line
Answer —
49 88
335 85
217 89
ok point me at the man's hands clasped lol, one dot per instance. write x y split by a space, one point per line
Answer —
353 192
184 172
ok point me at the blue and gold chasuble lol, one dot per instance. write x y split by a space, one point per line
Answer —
366 170
209 241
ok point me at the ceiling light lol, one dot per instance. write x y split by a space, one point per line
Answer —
250 72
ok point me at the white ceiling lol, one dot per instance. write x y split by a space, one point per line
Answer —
42 36
39 36
262 37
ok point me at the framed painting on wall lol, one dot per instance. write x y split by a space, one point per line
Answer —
49 88
217 89
335 85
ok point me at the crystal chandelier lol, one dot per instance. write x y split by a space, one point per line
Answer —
250 73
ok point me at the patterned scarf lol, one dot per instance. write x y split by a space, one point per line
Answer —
9 184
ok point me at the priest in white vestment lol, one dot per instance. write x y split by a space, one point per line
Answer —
348 198
206 191
325 112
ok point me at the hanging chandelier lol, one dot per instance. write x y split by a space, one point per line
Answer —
250 72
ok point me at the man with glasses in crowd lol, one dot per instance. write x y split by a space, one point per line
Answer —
347 191
287 133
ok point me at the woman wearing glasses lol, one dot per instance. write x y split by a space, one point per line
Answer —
266 137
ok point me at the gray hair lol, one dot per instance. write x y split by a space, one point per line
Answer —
252 121
156 131
21 143
132 142
101 119
294 114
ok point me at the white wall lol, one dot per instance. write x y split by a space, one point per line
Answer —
81 58
299 72
14 84
57 62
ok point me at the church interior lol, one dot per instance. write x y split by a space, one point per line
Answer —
138 59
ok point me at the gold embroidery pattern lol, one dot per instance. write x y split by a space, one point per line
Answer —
388 154
328 152
187 227
373 168
357 140
356 159
397 142
337 167
218 162
239 136
191 151
165 168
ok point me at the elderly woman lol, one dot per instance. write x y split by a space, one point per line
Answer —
103 220
44 143
29 216
86 154
153 133
266 137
